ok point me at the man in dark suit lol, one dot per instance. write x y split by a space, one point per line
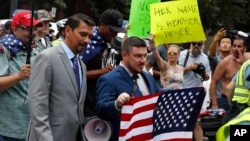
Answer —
116 87
57 89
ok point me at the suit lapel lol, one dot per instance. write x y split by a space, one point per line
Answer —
48 42
83 79
39 44
127 78
68 67
124 74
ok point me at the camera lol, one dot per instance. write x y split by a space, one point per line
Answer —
200 70
239 33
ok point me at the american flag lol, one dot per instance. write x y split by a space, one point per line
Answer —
213 112
94 47
168 116
12 43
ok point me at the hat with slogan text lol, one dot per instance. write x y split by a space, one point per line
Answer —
24 18
113 19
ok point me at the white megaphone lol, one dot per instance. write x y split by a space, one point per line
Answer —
96 129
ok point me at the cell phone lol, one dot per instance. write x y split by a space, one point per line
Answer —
53 11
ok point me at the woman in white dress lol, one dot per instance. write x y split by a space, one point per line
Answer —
171 74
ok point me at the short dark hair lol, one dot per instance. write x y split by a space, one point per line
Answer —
225 37
7 25
74 20
241 38
131 42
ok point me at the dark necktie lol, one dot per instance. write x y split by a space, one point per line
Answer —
76 71
43 42
135 86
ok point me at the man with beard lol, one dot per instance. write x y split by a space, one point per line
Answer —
14 74
228 67
190 59
196 70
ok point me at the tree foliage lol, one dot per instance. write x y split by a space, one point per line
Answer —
98 6
231 14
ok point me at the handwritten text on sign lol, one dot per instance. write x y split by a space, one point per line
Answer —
176 22
139 19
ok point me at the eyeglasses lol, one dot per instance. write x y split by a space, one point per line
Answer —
25 28
194 43
172 53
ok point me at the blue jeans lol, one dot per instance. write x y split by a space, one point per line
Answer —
3 138
223 103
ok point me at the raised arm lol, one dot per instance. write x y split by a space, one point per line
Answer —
212 48
160 62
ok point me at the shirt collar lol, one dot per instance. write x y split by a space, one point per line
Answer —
68 51
129 72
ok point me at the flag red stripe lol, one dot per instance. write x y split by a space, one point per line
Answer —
139 123
138 99
136 124
127 117
141 137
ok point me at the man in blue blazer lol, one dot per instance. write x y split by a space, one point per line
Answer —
116 87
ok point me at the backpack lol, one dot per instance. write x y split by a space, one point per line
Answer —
213 62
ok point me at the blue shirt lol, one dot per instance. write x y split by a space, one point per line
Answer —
71 55
192 79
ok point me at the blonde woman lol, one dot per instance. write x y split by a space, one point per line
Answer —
171 74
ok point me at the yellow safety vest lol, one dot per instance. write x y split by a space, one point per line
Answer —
224 131
57 41
241 92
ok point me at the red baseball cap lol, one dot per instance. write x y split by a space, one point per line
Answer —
23 18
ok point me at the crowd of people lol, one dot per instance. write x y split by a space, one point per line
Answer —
83 72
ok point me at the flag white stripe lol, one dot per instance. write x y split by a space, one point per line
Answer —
137 131
128 109
139 116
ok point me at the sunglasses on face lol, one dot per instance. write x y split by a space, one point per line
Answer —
194 43
172 53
